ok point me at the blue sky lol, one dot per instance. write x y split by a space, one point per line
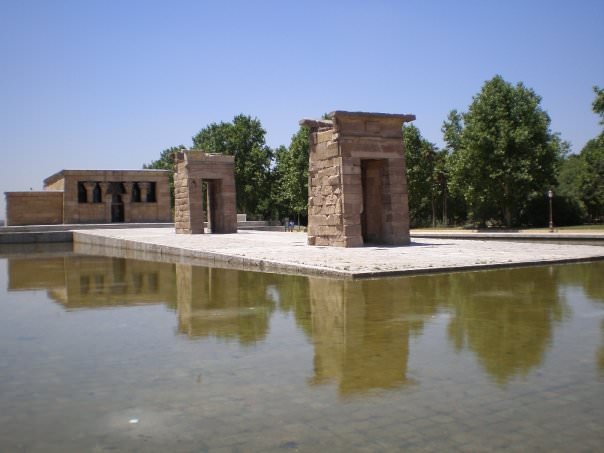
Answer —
109 84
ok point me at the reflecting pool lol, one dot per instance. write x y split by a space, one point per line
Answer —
109 354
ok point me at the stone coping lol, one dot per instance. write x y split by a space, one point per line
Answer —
105 173
34 193
79 226
289 253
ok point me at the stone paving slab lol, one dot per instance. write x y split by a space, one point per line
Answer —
289 253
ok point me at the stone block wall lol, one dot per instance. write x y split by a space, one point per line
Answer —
76 211
325 198
193 168
34 208
357 180
188 202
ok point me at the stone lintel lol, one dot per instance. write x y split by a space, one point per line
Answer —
314 125
197 155
111 175
403 117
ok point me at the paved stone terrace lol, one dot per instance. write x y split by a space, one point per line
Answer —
289 253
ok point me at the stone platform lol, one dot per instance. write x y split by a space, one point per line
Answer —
289 253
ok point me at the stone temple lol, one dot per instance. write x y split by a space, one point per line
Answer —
357 188
93 196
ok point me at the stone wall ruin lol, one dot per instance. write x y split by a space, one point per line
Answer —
194 169
357 180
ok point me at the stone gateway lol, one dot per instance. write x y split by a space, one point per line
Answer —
194 170
357 188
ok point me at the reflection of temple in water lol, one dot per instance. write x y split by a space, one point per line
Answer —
225 304
361 332
93 282
222 303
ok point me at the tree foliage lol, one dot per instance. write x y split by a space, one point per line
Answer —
592 184
505 152
598 104
426 180
166 162
451 129
290 188
499 160
166 159
243 138
582 176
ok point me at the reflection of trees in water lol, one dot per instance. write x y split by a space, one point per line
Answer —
226 304
600 353
360 329
589 277
505 317
294 298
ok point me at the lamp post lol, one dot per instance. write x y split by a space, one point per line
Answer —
550 195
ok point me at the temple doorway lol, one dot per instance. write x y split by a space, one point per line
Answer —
117 209
211 191
116 190
372 215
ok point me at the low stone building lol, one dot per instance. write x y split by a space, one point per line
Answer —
357 180
93 196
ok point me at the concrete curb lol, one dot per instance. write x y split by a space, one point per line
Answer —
36 237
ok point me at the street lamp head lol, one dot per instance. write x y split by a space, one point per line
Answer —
550 193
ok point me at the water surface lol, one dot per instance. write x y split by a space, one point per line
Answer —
109 354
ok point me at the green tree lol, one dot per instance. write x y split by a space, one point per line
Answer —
418 155
506 152
166 162
571 176
593 155
452 128
454 205
291 175
592 181
426 178
243 138
598 104
581 176
166 159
